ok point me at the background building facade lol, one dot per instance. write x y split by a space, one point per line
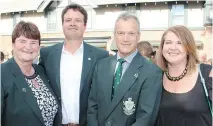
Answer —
155 16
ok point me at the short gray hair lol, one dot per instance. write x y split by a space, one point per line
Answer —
126 16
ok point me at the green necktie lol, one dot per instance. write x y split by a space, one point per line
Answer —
118 75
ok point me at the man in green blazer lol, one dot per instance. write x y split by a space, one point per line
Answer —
126 88
69 66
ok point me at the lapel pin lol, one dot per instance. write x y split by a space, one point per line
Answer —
24 90
89 58
136 75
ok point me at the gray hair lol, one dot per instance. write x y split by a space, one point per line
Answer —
127 15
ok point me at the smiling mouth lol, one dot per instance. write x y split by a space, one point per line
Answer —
174 54
72 29
126 44
27 52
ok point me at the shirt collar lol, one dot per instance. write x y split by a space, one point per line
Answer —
129 58
80 49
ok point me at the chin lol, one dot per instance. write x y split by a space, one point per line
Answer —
26 59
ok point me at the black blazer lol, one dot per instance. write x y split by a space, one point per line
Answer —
18 104
50 58
141 85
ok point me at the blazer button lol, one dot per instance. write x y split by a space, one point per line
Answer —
109 123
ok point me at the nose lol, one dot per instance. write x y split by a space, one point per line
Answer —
173 46
72 23
125 37
28 45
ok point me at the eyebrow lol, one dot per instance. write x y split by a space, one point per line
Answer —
72 18
20 39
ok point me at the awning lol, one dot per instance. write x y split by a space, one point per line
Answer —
105 2
9 6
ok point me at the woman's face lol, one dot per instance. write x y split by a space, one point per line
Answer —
173 49
25 50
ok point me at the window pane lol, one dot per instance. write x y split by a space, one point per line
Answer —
106 17
178 20
177 10
131 9
195 17
150 19
51 20
177 14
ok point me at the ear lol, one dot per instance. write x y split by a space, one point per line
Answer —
85 27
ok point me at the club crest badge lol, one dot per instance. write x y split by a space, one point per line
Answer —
129 106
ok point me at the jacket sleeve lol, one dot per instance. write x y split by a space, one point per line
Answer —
41 58
149 100
92 111
3 98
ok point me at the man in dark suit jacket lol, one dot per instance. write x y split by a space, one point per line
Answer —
126 88
69 66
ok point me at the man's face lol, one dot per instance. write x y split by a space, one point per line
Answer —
126 36
73 25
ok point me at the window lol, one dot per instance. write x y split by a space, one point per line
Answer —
208 12
177 14
6 24
150 19
16 19
195 17
154 17
51 20
105 17
131 9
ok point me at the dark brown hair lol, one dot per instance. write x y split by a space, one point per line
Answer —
2 56
75 7
26 29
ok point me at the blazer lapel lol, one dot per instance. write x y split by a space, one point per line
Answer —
109 80
128 79
86 66
44 79
56 61
25 90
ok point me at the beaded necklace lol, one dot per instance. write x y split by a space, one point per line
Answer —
176 78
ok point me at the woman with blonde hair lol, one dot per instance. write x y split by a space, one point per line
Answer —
184 100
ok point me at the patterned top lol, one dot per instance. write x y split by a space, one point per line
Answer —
46 101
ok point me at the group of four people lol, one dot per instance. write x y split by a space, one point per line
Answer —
76 84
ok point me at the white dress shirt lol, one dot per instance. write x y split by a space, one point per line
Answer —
70 79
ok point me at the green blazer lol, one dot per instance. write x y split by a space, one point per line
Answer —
136 101
50 58
18 104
